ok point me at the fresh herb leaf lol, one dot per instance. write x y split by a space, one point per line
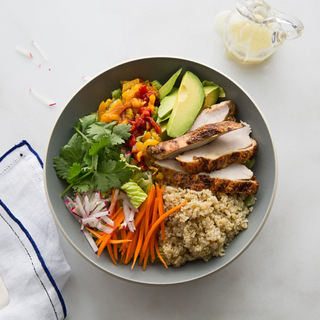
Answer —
111 174
88 121
91 158
103 135
74 171
97 132
96 147
61 166
107 126
84 185
123 132
73 151
112 153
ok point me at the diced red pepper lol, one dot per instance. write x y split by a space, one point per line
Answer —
143 90
145 114
133 127
140 123
132 141
141 110
154 124
150 93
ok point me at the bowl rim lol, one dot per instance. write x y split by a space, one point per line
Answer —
248 244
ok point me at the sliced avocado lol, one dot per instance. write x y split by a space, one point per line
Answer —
207 83
211 95
187 105
167 103
167 87
166 117
164 135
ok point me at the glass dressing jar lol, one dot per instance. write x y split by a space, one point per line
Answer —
254 30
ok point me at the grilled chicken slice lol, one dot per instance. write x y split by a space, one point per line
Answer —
191 140
236 178
216 113
233 147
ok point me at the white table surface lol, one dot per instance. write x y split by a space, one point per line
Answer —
278 276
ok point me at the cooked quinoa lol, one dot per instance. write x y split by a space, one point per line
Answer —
204 227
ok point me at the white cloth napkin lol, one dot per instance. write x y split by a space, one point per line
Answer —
32 265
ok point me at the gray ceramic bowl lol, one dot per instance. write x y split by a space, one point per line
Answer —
88 100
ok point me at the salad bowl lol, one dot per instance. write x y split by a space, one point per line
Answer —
87 100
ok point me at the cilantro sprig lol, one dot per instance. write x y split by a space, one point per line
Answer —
91 158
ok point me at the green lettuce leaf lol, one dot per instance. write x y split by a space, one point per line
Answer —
143 179
157 84
116 94
135 193
128 165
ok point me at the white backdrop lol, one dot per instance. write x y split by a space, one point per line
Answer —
278 276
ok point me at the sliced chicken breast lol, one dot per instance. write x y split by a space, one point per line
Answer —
233 147
191 140
235 171
216 113
236 178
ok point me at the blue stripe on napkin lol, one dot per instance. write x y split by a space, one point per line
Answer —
22 143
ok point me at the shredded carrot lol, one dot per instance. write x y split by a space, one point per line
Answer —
94 233
117 221
141 213
99 240
111 254
145 222
143 242
116 213
145 259
139 244
123 234
112 241
115 245
137 221
159 195
124 246
131 247
149 208
119 218
157 223
158 253
118 205
154 218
